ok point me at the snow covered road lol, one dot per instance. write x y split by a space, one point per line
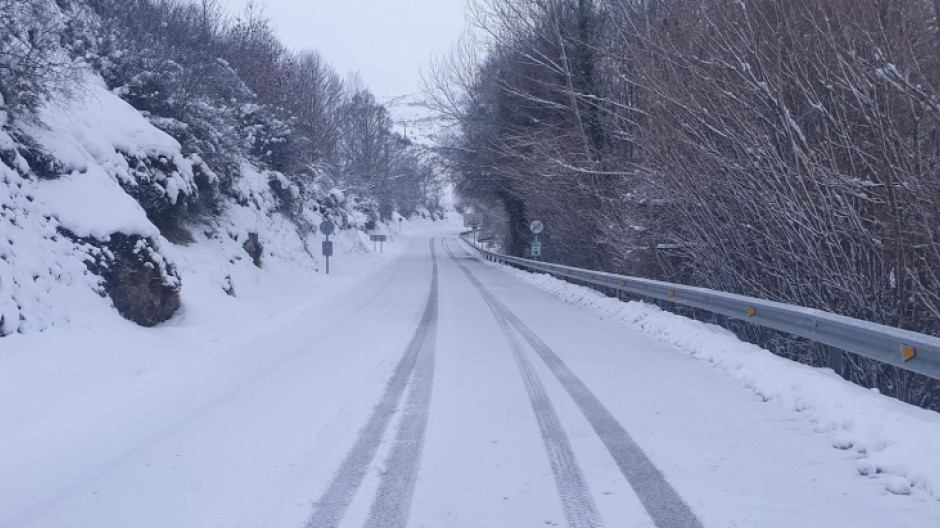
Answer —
430 390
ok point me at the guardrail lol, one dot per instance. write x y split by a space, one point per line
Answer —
902 348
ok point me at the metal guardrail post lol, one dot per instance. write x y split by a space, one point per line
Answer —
835 358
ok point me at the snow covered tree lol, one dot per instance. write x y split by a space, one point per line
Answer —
786 150
33 63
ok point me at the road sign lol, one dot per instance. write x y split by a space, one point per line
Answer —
327 227
475 225
537 227
379 240
536 248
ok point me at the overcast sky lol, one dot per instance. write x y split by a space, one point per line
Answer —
386 41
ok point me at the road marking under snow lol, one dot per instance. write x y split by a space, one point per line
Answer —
403 461
576 499
662 502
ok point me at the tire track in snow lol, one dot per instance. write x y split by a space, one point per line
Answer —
393 501
333 503
662 502
576 499
71 489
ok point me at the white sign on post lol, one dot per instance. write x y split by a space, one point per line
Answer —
536 249
536 227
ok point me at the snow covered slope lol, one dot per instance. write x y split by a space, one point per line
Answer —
69 190
413 119
72 184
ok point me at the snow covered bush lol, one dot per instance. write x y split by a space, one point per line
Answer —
168 192
782 150
33 64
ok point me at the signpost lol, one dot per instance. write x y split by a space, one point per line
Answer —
327 227
536 227
379 240
399 224
476 228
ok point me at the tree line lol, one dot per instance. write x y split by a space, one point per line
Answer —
783 150
228 89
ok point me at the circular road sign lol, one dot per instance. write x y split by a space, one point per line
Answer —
537 227
327 227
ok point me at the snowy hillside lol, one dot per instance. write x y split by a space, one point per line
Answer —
125 182
413 119
68 236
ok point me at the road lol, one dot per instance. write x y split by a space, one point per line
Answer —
443 392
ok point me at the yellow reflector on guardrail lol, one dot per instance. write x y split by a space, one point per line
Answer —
751 311
907 352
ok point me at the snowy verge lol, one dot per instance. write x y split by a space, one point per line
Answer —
893 441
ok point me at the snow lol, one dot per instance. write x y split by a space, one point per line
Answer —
736 457
43 277
108 420
99 129
413 118
93 205
238 411
92 138
898 485
892 441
